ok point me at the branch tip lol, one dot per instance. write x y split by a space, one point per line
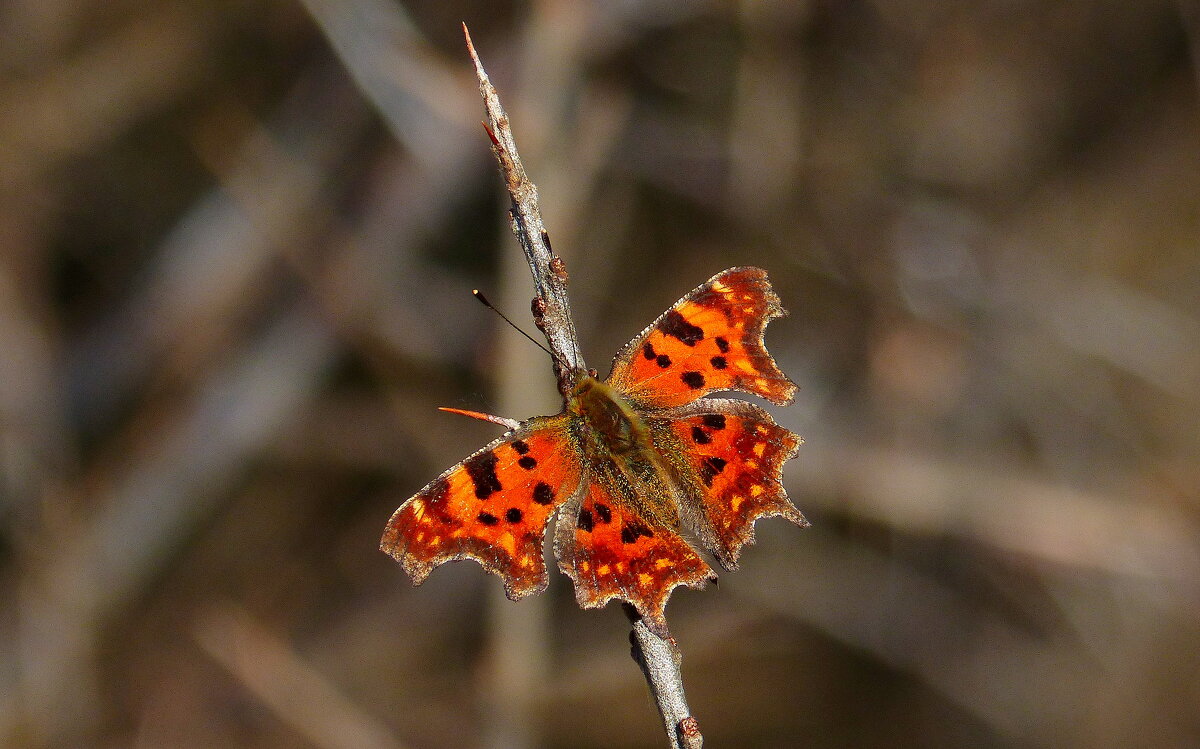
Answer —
479 71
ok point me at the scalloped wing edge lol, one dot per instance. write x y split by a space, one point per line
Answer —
655 618
786 509
757 333
418 570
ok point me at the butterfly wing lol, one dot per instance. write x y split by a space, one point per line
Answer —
492 508
611 550
728 459
712 339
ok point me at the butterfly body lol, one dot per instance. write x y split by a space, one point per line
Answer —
631 465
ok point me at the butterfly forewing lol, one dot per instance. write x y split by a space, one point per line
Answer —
710 340
492 508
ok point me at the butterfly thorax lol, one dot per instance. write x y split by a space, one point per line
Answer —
612 426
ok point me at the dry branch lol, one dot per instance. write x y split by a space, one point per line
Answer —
658 658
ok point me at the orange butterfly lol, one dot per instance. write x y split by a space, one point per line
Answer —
630 463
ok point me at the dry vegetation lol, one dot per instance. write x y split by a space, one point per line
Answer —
237 240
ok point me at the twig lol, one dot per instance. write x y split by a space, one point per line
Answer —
551 310
658 658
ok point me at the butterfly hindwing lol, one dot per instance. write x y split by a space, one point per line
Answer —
710 340
611 550
733 454
492 508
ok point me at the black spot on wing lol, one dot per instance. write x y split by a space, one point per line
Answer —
603 513
709 469
723 345
634 530
528 462
700 437
513 515
585 521
694 380
521 447
663 361
488 518
543 494
718 362
714 421
482 470
674 325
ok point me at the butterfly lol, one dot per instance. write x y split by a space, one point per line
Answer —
641 468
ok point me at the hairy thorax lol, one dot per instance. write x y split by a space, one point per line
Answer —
609 425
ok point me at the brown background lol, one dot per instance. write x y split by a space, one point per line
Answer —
237 240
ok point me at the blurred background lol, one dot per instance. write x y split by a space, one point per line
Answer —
237 243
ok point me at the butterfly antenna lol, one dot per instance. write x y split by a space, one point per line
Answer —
484 301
